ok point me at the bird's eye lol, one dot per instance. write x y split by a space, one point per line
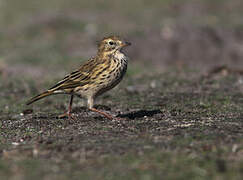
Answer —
111 42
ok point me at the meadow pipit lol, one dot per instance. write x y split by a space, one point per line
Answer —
96 76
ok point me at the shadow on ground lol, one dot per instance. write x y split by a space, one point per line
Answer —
139 114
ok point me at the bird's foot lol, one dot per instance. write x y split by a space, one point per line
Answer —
67 114
108 116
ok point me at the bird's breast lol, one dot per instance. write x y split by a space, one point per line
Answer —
114 74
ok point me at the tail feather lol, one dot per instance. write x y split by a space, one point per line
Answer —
40 96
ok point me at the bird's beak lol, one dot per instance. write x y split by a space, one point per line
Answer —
126 44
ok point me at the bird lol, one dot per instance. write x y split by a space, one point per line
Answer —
94 77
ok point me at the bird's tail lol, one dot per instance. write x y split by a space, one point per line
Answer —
40 96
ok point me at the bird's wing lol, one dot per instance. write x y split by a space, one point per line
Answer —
77 78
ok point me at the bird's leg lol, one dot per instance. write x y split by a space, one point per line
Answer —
90 105
70 108
68 113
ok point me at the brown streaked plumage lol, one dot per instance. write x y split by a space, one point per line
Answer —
96 76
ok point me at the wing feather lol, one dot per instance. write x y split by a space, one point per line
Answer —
77 78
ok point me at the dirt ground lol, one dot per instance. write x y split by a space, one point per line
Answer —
169 127
179 108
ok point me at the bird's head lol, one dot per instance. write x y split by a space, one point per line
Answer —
111 44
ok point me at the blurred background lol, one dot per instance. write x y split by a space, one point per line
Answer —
43 39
